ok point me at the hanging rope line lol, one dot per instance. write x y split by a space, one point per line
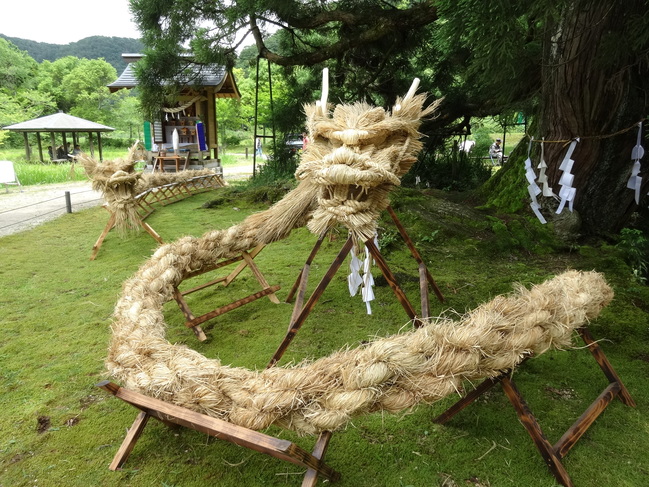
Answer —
184 106
590 137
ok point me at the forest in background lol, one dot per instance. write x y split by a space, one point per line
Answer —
38 79
109 49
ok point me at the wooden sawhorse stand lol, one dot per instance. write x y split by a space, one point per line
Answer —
111 224
301 310
162 195
246 259
254 440
552 454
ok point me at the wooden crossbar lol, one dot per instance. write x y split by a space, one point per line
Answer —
552 454
222 430
245 260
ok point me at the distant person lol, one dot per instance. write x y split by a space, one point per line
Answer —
61 153
76 151
496 152
258 150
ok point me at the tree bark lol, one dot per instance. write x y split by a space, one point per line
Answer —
586 94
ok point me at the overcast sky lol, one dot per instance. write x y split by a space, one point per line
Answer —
65 21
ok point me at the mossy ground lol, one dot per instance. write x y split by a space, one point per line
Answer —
58 429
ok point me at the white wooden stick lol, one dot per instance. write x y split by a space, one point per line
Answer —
409 95
325 90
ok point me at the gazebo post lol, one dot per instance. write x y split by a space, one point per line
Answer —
65 142
101 159
27 151
40 146
53 144
92 147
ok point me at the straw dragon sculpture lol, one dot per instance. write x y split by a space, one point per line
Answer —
357 155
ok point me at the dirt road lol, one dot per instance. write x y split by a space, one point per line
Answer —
23 208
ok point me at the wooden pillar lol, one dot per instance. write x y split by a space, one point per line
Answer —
65 143
99 145
27 150
212 128
92 146
40 146
53 144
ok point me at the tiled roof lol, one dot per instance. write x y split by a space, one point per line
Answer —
203 75
59 122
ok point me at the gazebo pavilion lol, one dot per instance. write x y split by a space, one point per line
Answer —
59 123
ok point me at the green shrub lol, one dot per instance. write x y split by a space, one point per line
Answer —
635 249
454 171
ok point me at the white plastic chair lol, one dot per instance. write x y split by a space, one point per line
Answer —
8 174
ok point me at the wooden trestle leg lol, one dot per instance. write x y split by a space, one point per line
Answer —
298 321
552 454
301 312
425 278
175 415
111 224
392 281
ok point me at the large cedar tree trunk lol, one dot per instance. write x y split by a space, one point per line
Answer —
581 97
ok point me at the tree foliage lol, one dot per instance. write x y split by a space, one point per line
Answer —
575 67
19 98
70 84
95 47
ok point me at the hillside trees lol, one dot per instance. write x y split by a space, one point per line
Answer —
94 47
577 68
69 84
19 100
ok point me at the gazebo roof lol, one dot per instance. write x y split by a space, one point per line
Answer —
58 122
201 76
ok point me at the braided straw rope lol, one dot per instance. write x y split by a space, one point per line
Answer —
389 374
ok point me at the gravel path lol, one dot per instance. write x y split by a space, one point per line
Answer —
23 208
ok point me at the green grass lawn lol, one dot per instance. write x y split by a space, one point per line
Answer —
58 429
35 172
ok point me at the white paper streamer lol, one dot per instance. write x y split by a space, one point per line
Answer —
635 181
567 192
543 178
355 280
532 188
368 280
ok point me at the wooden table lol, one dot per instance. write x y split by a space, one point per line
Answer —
159 161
